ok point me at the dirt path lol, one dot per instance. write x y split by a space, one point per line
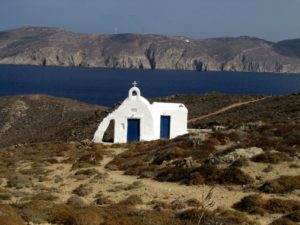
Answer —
224 109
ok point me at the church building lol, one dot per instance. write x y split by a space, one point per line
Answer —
136 119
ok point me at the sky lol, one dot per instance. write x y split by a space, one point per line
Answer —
272 20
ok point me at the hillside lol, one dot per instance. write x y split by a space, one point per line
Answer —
51 46
243 168
38 118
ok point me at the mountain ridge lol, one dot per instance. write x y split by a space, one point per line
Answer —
57 47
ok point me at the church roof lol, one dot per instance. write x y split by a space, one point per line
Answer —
170 106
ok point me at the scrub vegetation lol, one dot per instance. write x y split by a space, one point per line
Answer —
237 167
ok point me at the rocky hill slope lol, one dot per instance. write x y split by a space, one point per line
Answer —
38 118
51 46
243 169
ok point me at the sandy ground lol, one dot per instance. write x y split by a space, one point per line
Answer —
116 186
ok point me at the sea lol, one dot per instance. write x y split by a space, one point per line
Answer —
107 87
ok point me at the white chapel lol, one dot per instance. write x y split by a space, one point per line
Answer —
138 120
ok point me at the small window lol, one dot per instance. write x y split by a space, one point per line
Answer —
134 93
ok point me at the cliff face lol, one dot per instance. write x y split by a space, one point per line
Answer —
50 46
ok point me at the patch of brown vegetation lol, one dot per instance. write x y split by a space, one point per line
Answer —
124 212
216 217
64 214
255 204
205 174
283 184
9 216
19 181
283 221
40 118
272 157
294 216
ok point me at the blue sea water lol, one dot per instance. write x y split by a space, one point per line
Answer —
109 86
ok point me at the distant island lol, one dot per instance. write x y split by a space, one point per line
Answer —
55 47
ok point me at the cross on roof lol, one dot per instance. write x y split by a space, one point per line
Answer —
134 83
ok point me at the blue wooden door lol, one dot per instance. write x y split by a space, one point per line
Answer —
133 130
165 122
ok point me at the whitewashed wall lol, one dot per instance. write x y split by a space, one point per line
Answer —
137 107
178 114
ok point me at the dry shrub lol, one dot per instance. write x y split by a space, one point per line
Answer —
233 217
251 204
203 151
132 200
221 138
5 194
191 214
87 172
178 204
226 217
9 216
134 185
271 157
269 142
118 214
294 165
52 161
205 174
76 202
241 162
282 184
294 216
88 160
174 174
283 221
255 204
101 200
67 215
230 175
195 178
282 206
193 202
45 196
170 153
82 190
160 205
233 175
36 211
18 181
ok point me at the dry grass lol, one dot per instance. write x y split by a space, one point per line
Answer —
294 216
18 181
206 174
283 221
283 184
255 204
9 216
64 214
241 162
272 157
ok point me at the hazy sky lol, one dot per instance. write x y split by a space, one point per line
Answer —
269 19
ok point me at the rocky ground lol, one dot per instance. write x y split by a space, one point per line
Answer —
243 168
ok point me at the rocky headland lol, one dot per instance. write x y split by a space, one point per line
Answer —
56 47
